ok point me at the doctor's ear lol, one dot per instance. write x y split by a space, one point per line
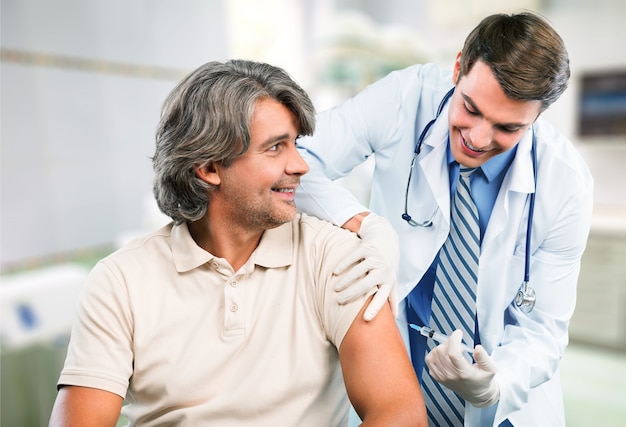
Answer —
457 69
208 173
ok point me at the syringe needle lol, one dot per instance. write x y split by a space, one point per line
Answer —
440 338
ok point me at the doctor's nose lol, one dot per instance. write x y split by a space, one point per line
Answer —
481 135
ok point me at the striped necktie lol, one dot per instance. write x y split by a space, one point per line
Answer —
454 297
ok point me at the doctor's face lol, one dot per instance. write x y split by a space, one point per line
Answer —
484 122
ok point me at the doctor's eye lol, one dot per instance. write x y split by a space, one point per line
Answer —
510 129
470 110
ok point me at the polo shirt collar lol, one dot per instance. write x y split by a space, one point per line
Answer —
276 247
186 253
274 250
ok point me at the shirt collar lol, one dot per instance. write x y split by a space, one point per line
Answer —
492 167
274 250
275 247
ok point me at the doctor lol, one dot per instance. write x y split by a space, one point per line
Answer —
510 70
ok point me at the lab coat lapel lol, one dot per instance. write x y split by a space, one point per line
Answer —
517 184
504 232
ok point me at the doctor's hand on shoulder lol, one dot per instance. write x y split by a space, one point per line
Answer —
374 264
475 382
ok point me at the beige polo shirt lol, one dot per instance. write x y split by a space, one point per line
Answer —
190 342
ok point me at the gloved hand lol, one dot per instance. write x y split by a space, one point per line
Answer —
375 263
475 383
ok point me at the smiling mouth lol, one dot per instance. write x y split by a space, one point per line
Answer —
286 186
471 147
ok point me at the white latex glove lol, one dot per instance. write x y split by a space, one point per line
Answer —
475 383
374 264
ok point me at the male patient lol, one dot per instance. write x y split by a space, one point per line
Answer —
228 316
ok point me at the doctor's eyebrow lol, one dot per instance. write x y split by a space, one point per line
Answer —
476 110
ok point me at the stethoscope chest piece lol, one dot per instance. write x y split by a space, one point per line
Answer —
525 298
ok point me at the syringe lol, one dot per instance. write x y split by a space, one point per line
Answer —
431 333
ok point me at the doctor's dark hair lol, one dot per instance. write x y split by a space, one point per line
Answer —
526 55
206 118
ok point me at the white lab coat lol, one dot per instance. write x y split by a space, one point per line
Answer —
527 348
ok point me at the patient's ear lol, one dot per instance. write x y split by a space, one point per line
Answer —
208 173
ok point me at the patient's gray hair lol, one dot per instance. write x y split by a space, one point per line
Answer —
206 119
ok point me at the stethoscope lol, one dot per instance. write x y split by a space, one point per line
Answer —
525 298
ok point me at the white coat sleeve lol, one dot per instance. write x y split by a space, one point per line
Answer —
344 138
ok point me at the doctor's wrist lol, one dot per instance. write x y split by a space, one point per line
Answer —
354 223
489 398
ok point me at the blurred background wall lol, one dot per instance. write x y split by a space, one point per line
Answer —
82 84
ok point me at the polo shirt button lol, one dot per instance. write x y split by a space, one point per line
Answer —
233 308
233 283
214 264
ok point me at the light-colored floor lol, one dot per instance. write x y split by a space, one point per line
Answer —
594 387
